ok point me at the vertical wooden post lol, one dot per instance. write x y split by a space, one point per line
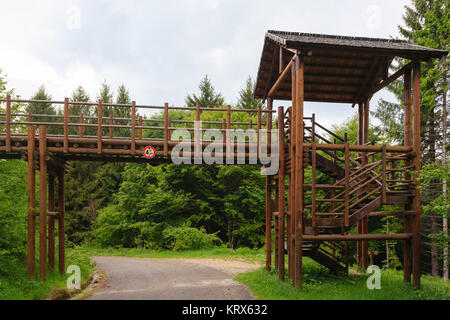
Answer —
313 182
51 222
383 173
313 127
229 151
42 203
360 142
416 148
133 128
66 125
224 138
111 129
140 128
299 97
8 124
81 127
347 182
99 126
365 221
61 223
275 222
290 225
258 141
197 134
31 203
407 244
281 194
166 129
268 204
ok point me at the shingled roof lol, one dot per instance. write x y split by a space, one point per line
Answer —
337 68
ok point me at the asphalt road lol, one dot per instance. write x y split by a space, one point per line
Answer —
165 279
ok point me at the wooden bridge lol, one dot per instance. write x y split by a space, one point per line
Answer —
309 218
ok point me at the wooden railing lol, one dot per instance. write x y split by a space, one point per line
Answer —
103 128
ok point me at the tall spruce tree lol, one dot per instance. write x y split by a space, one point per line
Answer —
246 99
426 23
208 97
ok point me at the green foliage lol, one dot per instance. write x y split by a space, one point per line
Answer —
433 175
188 238
208 97
13 214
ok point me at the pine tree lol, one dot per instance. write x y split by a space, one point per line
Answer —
246 99
208 97
426 23
44 109
123 97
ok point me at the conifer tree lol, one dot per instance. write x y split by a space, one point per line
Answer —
246 99
208 97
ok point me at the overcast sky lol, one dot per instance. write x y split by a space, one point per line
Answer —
161 49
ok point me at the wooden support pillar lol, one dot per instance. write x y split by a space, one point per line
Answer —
66 125
166 129
416 148
133 128
365 221
8 124
407 244
51 222
61 223
268 194
42 203
275 223
299 128
291 218
360 142
31 203
140 128
99 126
281 194
111 129
268 224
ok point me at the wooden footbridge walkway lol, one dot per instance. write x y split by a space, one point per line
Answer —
309 216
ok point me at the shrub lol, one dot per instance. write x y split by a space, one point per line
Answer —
188 238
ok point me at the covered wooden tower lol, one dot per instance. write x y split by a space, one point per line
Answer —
312 219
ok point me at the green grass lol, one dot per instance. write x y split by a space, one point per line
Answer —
16 286
241 253
318 284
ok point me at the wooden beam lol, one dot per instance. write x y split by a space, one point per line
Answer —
391 78
61 223
280 79
368 236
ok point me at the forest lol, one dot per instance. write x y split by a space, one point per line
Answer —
182 207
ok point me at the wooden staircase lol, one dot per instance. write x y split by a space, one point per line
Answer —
350 198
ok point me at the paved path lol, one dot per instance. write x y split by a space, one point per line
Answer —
165 279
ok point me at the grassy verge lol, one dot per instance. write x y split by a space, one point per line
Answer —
320 285
241 253
15 285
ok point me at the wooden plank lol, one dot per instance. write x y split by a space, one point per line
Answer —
313 184
140 127
31 241
383 173
81 127
42 203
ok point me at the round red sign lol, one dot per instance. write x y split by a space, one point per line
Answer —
149 152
